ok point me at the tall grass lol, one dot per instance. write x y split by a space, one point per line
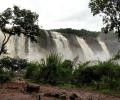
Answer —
105 74
4 76
51 70
54 71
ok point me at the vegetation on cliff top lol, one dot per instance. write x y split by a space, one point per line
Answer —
82 32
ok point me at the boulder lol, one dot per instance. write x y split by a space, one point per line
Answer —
30 87
73 96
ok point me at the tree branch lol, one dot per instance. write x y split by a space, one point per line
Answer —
6 39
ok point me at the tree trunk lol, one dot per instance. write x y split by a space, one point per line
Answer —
5 41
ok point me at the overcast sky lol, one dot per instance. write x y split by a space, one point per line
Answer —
59 13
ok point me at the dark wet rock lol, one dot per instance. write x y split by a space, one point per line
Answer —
74 97
32 88
61 95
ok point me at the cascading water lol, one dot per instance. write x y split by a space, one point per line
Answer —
106 54
88 53
34 52
62 45
57 43
19 44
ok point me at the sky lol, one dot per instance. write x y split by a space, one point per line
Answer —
59 13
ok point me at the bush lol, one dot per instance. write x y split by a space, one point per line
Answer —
33 70
86 74
107 73
13 64
56 71
66 71
4 76
110 73
109 69
52 70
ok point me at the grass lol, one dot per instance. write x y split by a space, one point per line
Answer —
103 77
91 89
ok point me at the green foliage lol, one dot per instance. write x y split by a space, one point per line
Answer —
54 71
109 69
20 21
107 73
110 10
33 71
13 64
66 71
82 32
85 74
4 76
51 70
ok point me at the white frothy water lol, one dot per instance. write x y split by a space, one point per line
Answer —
62 45
9 47
35 54
106 54
88 53
19 43
19 46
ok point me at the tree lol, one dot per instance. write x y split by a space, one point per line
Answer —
16 21
13 64
110 10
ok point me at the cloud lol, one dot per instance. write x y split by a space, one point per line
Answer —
79 16
59 13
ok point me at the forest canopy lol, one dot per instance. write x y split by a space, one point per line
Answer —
82 32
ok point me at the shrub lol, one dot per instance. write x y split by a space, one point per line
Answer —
86 75
109 73
54 71
51 69
106 73
13 64
4 76
66 71
33 70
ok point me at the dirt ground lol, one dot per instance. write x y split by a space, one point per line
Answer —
15 91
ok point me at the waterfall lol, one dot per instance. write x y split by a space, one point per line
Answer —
26 45
20 46
69 46
9 47
62 45
88 53
16 45
34 53
106 54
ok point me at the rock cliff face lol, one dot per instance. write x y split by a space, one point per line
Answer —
68 45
